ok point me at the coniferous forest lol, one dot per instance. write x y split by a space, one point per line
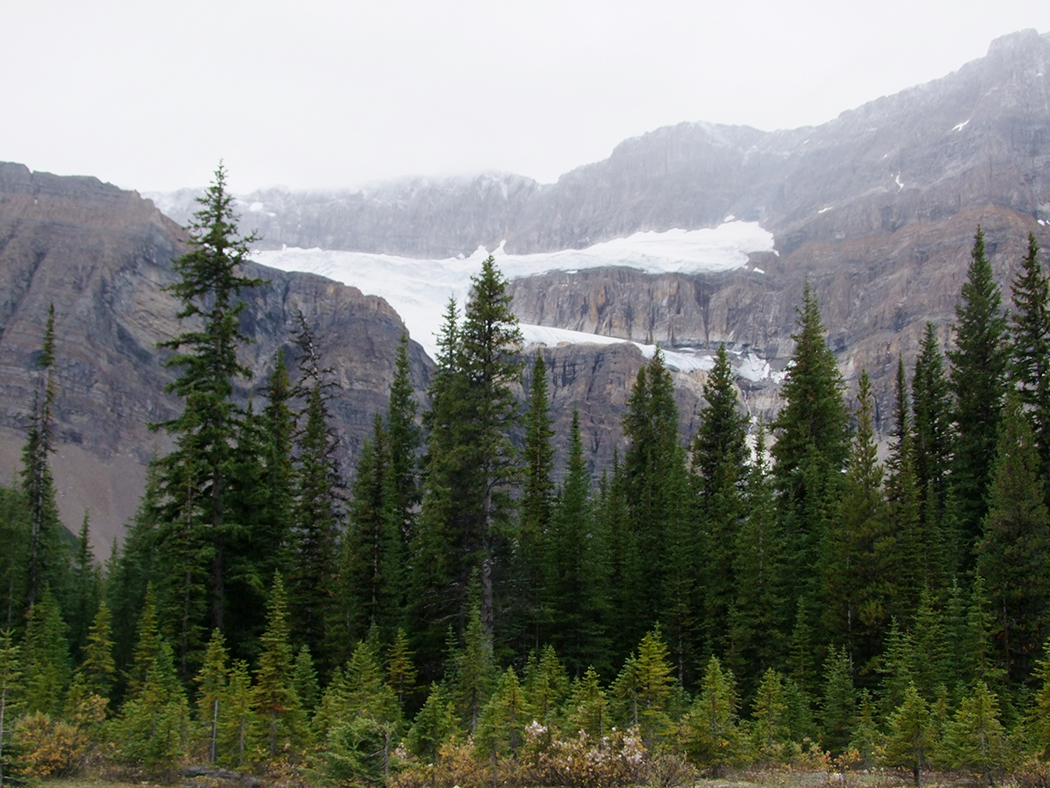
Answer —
758 596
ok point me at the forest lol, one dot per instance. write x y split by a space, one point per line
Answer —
470 610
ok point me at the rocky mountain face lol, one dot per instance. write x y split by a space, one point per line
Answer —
102 256
876 210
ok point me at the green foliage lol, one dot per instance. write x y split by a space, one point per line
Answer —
1013 554
197 511
711 730
10 688
910 737
644 690
588 709
838 709
1030 347
45 657
152 730
501 727
546 685
770 728
434 725
278 713
975 739
98 667
978 381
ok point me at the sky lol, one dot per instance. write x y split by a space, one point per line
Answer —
310 94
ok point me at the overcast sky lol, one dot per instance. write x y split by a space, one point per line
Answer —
150 95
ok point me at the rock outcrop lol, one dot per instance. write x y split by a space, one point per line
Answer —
103 256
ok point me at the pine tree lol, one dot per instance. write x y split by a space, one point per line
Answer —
304 680
45 657
588 708
645 687
1013 554
273 529
10 685
978 381
501 726
811 446
917 553
318 511
1038 717
711 730
14 547
839 701
857 547
433 726
537 501
194 477
975 738
404 439
98 666
147 646
546 684
1030 347
466 518
650 426
719 455
473 671
576 568
931 405
770 730
370 571
757 627
909 739
277 708
44 560
212 681
400 670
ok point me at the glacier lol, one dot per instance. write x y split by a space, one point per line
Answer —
420 289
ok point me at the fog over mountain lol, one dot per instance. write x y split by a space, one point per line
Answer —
876 209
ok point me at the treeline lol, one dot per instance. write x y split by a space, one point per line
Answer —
756 595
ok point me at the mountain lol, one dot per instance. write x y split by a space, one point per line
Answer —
876 209
102 256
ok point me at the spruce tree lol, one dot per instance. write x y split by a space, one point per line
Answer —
757 614
44 559
370 573
978 381
404 438
910 738
811 446
839 702
212 681
98 667
537 501
770 729
45 657
931 405
194 477
1013 554
10 685
857 552
278 712
318 513
650 426
1030 347
575 590
719 456
465 523
588 707
713 736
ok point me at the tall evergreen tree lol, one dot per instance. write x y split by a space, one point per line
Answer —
466 517
931 447
812 440
978 381
1030 347
575 582
44 559
371 554
404 438
318 513
719 456
650 426
45 657
857 549
279 716
194 477
1013 554
537 500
